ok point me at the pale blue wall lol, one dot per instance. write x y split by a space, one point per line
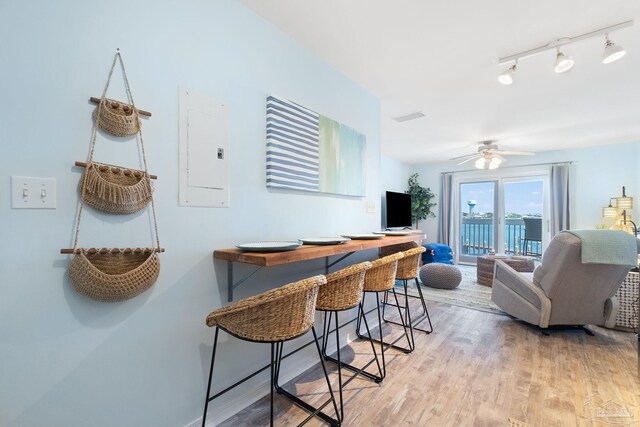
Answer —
66 361
597 173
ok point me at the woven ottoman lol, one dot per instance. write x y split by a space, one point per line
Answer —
441 276
485 265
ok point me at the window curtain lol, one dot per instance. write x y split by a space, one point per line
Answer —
445 213
560 211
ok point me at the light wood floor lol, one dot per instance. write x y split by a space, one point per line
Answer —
482 369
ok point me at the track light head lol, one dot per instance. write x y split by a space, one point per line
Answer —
612 52
506 77
563 63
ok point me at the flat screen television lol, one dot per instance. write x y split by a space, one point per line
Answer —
398 209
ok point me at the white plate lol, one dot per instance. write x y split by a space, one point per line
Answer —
363 236
324 240
269 246
394 232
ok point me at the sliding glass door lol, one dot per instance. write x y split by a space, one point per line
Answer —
523 216
507 215
477 213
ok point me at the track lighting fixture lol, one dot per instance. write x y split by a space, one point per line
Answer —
564 63
612 51
506 77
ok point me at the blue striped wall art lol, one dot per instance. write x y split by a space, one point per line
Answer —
310 152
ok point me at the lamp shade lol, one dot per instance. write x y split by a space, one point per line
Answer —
495 162
563 63
506 77
612 52
482 163
624 202
609 212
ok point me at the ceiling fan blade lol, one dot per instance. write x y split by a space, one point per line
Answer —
514 153
466 156
469 159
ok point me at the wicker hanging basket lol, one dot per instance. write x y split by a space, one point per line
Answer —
113 277
117 118
115 190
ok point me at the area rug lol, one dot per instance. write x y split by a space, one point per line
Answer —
468 295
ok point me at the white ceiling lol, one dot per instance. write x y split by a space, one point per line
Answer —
439 57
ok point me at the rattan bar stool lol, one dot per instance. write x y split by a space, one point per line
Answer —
343 291
408 268
274 317
381 278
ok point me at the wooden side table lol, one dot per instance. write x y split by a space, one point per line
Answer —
485 264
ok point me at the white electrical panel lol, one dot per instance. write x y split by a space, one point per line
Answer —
204 151
33 193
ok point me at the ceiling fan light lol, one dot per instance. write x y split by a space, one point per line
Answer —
495 162
563 63
506 77
482 163
612 52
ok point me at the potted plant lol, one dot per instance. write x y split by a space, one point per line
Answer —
421 200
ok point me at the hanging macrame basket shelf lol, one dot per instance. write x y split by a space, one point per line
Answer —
115 274
114 189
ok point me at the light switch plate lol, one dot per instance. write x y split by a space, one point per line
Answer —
371 207
33 193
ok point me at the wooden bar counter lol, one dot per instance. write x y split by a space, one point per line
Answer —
303 253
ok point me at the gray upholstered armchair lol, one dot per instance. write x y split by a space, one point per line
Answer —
564 289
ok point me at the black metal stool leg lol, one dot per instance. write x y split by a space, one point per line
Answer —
341 416
423 316
273 374
407 314
326 330
402 323
213 358
425 311
357 371
313 412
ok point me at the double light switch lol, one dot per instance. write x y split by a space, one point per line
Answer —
33 193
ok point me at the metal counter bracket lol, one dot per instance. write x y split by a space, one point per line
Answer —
230 285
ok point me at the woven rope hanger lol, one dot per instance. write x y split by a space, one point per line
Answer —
117 274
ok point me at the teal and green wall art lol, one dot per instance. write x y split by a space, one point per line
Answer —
308 151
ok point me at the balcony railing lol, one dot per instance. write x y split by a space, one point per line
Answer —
476 236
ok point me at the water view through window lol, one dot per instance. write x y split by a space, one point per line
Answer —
521 229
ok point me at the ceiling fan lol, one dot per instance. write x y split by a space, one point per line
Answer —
489 156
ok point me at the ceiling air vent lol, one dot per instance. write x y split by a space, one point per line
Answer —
407 117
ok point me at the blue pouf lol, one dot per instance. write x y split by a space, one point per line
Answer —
441 276
436 252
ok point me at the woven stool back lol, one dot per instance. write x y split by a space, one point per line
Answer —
382 275
408 266
276 315
343 289
400 247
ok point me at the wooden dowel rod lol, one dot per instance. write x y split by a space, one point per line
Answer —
113 250
141 112
84 165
